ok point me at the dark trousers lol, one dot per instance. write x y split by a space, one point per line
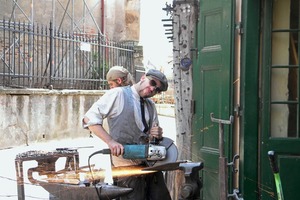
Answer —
146 187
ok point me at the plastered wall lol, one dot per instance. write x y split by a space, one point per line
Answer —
38 115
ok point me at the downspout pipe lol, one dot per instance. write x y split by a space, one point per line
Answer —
237 92
102 16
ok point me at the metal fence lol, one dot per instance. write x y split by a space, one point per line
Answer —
34 56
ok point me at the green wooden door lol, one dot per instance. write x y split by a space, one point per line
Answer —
212 88
280 122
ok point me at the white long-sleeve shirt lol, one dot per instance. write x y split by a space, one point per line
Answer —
111 104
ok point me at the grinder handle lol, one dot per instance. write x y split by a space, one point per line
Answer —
154 140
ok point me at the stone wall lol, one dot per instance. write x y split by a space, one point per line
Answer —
39 115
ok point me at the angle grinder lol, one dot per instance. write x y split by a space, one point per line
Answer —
162 152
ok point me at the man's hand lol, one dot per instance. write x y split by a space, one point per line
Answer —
115 148
156 132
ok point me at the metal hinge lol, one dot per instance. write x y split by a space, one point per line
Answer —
239 27
237 110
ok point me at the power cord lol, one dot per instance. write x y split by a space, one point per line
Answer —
93 180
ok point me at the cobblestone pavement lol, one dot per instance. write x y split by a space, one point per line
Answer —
8 189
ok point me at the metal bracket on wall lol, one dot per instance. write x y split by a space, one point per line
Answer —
235 195
232 163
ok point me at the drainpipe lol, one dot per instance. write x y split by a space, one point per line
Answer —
102 16
237 93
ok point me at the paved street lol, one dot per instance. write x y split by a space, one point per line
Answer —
8 189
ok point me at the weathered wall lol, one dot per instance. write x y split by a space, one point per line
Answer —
35 115
80 15
121 18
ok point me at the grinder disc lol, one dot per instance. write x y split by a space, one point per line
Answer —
172 152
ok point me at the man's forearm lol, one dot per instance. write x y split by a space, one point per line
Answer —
99 131
115 147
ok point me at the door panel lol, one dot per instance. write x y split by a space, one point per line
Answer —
211 90
280 98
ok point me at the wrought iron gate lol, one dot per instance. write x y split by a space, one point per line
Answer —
35 56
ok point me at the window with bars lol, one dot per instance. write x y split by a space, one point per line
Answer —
283 72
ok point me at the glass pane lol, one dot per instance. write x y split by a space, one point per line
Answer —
281 14
294 49
280 48
284 69
293 83
292 120
294 14
284 120
279 84
279 119
284 84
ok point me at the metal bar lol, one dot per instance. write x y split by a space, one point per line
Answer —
71 17
24 63
41 55
223 170
71 58
13 62
96 24
4 63
22 11
32 55
20 179
223 179
37 44
230 121
64 15
9 57
19 49
51 59
30 63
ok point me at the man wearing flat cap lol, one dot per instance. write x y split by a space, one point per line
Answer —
132 119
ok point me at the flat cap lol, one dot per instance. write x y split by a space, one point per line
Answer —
158 76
